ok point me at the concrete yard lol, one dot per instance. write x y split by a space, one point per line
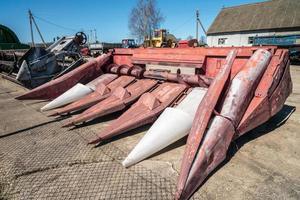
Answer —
41 160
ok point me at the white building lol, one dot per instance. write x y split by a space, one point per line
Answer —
236 26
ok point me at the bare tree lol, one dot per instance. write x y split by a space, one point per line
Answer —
144 18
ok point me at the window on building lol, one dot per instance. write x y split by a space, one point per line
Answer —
250 40
222 41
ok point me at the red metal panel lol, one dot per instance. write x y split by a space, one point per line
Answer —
186 60
213 65
183 44
144 111
209 59
103 79
282 92
198 51
123 57
188 43
207 51
119 99
272 91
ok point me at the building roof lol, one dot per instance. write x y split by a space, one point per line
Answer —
268 15
7 35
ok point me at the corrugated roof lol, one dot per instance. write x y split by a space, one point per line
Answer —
258 16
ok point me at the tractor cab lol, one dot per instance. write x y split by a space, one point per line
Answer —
160 34
128 43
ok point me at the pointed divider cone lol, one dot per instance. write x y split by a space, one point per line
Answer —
120 98
24 72
102 92
144 111
73 94
172 125
77 92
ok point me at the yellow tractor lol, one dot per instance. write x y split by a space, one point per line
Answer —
161 38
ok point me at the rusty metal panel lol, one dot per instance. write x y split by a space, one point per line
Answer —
273 74
272 91
282 92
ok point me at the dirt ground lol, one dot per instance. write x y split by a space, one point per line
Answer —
41 160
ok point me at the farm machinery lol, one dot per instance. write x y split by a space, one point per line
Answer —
161 38
37 65
213 95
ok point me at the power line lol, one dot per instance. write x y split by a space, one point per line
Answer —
54 24
183 24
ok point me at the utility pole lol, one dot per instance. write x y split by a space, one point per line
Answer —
31 19
198 21
197 18
31 31
95 35
91 32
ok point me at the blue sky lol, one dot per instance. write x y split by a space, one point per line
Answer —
109 18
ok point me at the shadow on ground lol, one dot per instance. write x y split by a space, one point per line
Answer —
124 135
29 128
103 119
